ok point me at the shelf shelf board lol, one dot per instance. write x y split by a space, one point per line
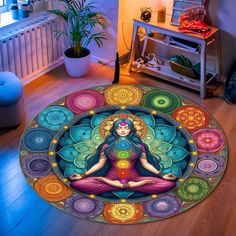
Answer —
167 44
167 74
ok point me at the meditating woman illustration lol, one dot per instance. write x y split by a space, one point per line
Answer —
123 162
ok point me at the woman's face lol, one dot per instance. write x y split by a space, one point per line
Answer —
123 129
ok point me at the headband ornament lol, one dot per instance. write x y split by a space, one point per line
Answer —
139 124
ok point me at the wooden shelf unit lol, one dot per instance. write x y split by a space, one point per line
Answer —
164 71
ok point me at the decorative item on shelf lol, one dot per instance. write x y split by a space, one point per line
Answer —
182 65
195 27
24 10
161 15
184 6
81 17
14 12
146 14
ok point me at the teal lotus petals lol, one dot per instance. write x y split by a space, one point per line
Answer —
68 153
139 114
106 114
86 122
63 142
97 120
160 121
174 169
165 132
80 132
96 136
164 147
123 112
66 140
177 153
150 136
165 161
82 147
79 163
149 120
62 164
179 140
72 169
182 164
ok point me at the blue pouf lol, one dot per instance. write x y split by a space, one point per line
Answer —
11 100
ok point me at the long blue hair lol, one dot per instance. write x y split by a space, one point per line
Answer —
111 140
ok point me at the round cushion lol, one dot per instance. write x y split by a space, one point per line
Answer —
11 88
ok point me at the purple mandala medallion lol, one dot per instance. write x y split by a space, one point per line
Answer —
163 206
209 165
83 207
36 165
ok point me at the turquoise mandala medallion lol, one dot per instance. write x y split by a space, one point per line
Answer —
123 127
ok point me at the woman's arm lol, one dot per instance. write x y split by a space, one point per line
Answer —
93 169
147 165
97 166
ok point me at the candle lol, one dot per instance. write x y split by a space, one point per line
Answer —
161 15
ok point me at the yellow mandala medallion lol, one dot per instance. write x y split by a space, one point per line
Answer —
123 95
123 213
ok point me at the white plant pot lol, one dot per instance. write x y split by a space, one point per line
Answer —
77 67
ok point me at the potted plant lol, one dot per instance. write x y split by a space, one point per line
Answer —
80 18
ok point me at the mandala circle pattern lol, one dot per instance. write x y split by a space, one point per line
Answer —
123 95
36 165
144 106
123 213
163 206
37 140
83 207
209 165
194 189
161 101
54 117
84 101
191 117
52 189
209 140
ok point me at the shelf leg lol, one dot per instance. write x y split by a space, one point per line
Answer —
131 57
203 71
144 47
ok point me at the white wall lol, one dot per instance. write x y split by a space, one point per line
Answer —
110 10
128 10
108 52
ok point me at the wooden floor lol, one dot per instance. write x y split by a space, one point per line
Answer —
23 212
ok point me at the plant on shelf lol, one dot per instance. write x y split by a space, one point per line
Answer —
80 18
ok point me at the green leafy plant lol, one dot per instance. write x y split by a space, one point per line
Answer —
80 18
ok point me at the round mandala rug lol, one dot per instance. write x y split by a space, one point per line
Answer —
123 154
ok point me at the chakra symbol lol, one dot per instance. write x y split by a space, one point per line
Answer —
123 155
123 164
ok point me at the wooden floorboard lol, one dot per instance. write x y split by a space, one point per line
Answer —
23 212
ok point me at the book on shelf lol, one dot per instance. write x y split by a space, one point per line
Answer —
191 46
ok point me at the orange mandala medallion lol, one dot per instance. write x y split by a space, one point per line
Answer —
52 189
191 117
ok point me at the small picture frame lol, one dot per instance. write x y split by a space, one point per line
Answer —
181 6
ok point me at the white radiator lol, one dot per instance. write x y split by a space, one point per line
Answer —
30 49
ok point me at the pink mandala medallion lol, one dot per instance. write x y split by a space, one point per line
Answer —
84 101
209 140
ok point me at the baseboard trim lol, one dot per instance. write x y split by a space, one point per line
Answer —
124 58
